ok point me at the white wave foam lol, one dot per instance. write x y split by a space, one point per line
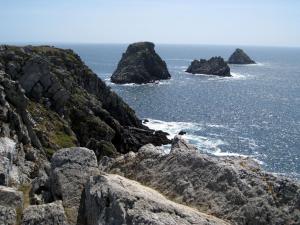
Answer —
156 83
186 60
205 144
235 76
238 76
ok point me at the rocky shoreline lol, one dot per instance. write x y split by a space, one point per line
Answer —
73 152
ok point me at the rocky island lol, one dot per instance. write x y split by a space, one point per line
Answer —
214 66
72 152
140 64
240 57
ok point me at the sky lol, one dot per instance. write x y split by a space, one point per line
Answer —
213 22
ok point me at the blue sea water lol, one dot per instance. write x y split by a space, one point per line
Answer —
254 113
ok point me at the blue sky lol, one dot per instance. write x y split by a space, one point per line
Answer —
217 22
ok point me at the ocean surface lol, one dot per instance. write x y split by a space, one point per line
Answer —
254 113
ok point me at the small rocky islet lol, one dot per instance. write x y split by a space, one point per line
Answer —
214 66
140 64
72 152
240 57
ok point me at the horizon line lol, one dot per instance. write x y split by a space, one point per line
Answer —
127 43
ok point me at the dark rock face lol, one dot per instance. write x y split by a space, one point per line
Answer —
61 89
213 66
234 189
240 57
140 64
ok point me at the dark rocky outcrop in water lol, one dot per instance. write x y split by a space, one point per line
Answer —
213 66
240 57
140 64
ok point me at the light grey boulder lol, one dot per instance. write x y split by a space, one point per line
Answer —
231 188
8 155
179 144
112 199
47 214
11 205
8 216
70 170
10 197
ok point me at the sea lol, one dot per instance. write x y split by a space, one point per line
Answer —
254 113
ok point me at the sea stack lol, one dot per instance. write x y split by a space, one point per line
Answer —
140 64
240 57
214 66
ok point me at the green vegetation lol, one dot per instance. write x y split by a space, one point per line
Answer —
51 128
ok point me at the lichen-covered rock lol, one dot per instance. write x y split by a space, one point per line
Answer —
140 64
234 189
8 216
213 66
8 154
10 197
47 214
70 170
18 139
181 145
11 205
240 57
112 199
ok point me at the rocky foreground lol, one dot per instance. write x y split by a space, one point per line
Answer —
140 64
51 103
214 66
233 189
240 57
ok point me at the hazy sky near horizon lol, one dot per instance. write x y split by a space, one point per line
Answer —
220 22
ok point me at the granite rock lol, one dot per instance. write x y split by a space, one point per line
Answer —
70 170
46 214
213 66
140 64
240 57
235 189
112 199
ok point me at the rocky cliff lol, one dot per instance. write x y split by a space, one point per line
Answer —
240 57
65 104
213 66
140 64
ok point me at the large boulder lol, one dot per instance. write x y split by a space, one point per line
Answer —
70 170
240 57
11 205
140 64
213 66
112 199
231 188
47 214
8 216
